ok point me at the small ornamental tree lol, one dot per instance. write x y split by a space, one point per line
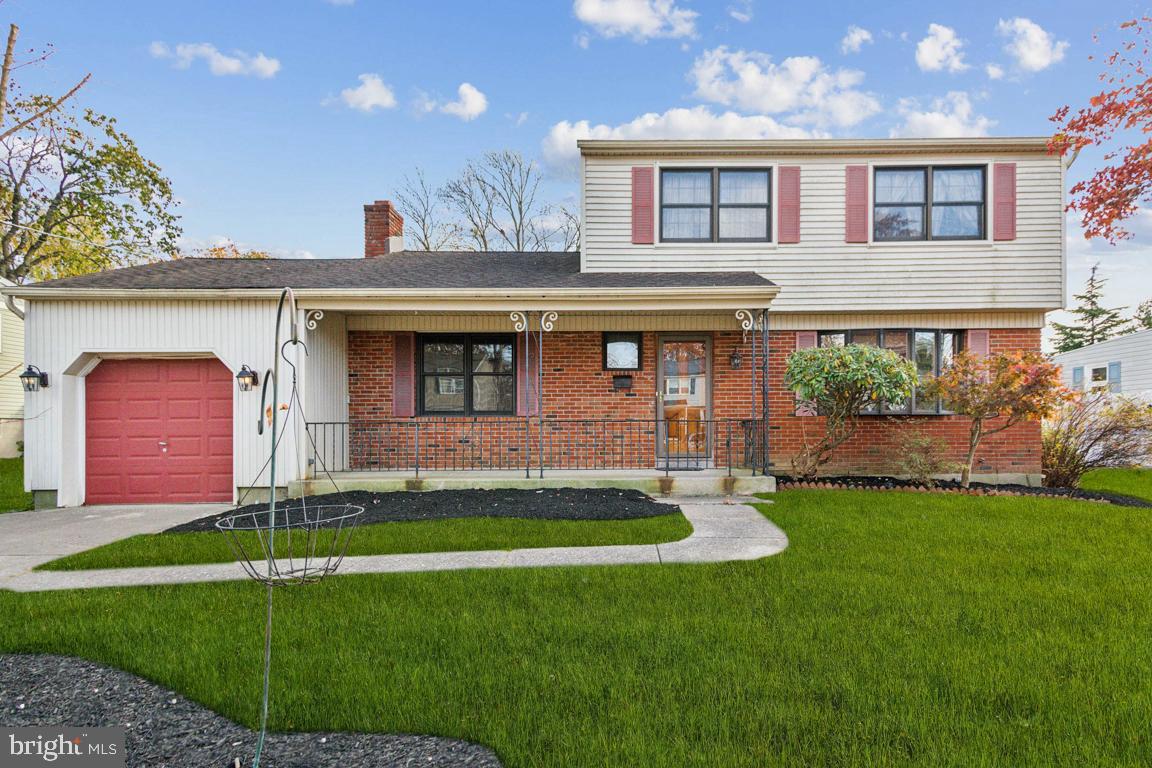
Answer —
997 392
841 382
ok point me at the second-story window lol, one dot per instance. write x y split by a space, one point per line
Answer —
929 203
716 205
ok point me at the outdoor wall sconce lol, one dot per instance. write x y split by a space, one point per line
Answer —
735 359
621 382
247 379
33 378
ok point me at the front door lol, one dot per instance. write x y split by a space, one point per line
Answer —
684 400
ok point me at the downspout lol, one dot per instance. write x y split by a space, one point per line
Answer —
11 304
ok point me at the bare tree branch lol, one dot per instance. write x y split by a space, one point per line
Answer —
424 215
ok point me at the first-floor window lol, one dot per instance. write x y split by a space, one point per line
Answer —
466 375
931 350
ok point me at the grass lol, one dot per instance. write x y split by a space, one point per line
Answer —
389 538
1131 481
897 629
13 498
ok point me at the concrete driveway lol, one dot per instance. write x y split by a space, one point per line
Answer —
28 539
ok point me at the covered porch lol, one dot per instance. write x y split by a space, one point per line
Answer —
664 394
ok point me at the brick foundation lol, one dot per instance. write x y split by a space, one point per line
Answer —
576 388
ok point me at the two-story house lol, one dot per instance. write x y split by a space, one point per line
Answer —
657 351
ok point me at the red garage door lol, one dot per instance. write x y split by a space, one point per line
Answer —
159 431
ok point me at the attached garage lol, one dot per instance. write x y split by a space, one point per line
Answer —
158 430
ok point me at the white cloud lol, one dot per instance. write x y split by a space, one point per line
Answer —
741 11
940 50
994 71
518 119
559 146
638 19
802 86
469 105
854 40
949 117
372 94
1030 45
238 63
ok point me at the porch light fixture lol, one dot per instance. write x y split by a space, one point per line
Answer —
33 378
735 359
247 379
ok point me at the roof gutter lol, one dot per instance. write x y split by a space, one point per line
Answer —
812 147
458 299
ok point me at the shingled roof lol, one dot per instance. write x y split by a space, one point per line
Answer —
433 270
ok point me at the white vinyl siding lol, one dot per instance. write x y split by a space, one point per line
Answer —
822 273
1133 352
66 338
11 364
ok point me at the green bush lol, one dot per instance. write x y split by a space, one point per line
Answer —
841 382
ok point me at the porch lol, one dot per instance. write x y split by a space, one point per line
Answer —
662 401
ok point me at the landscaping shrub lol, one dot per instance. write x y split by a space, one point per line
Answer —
921 456
1095 430
841 382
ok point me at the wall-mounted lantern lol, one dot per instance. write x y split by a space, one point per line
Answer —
247 379
33 378
735 359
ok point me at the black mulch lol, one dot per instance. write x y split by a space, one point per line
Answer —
784 482
542 504
163 728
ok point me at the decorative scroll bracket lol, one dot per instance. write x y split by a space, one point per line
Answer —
313 318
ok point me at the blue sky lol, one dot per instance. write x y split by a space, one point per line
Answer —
276 121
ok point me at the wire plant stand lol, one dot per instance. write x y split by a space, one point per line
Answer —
286 545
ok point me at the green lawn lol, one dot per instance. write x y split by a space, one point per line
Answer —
1132 481
12 495
897 629
389 538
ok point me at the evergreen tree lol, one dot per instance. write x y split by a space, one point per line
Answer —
1093 322
1143 316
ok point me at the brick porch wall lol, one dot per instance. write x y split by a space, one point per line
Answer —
576 388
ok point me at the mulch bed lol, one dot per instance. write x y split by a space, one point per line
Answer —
541 504
163 728
880 483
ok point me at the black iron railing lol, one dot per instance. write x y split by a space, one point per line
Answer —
535 445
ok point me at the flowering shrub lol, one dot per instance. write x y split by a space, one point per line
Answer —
1092 431
841 382
1003 389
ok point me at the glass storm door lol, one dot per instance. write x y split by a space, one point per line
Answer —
684 398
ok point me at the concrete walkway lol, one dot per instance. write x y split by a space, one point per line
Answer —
28 539
722 530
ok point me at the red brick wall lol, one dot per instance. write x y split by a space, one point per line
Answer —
577 388
872 449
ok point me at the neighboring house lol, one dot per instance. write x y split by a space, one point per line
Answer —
11 392
1122 365
697 257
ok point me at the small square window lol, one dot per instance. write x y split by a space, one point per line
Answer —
622 351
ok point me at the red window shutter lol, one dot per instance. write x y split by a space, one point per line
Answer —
805 340
788 203
526 398
856 204
643 205
1004 201
978 342
404 375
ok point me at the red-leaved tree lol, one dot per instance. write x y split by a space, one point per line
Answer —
997 392
1122 109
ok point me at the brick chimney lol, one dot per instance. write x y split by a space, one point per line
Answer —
383 229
